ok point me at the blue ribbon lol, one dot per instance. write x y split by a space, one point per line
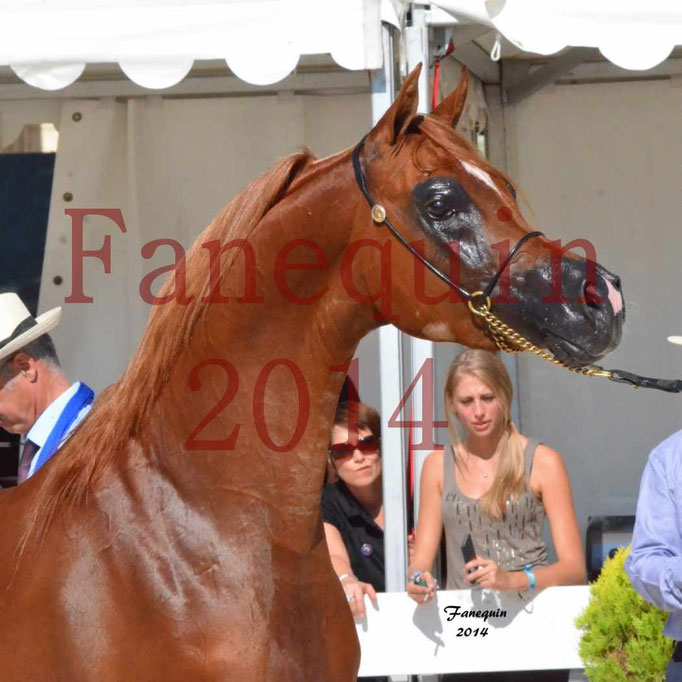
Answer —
81 398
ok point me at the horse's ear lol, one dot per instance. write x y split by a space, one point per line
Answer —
394 122
450 109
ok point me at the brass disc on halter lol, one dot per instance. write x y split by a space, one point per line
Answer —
378 213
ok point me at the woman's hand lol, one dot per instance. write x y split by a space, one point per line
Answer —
355 595
486 573
420 594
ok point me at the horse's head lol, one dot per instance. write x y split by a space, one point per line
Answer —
462 215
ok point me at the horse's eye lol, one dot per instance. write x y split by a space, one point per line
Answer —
438 209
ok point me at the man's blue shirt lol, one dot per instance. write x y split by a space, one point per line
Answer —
655 562
43 426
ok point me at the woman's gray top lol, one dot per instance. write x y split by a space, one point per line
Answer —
512 542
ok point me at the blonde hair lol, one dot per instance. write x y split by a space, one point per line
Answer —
510 480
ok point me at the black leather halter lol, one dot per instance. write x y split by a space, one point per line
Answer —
482 297
379 216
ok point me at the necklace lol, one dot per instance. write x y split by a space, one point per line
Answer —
484 474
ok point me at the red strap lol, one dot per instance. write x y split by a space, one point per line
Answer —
436 85
410 478
436 75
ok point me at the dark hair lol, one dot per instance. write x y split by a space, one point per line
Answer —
349 391
41 348
357 415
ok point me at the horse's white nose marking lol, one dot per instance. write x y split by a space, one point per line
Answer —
615 297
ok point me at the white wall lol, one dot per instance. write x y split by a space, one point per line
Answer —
169 165
602 161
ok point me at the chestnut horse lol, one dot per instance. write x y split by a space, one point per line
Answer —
177 535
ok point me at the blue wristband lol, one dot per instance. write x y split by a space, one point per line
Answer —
528 570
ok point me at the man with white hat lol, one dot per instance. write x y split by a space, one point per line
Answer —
36 398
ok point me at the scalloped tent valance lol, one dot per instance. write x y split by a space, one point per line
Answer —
632 34
48 44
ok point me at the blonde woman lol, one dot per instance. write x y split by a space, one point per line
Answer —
496 485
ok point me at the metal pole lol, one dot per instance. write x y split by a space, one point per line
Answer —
390 361
421 350
417 48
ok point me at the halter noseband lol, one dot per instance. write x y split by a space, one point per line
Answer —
506 338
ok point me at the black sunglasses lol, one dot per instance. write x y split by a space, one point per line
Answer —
365 444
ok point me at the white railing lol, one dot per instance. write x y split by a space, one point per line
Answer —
537 632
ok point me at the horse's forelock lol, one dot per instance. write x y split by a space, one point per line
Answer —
450 143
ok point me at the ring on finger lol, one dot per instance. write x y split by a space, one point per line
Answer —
350 597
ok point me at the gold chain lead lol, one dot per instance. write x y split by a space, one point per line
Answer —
510 341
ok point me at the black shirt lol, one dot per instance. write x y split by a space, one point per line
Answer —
364 540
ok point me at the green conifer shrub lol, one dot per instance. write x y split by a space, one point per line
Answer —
623 634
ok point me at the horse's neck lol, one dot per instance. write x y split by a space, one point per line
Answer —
284 355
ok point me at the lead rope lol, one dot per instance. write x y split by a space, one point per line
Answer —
506 339
510 341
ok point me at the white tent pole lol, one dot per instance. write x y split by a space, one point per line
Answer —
421 350
390 360
417 47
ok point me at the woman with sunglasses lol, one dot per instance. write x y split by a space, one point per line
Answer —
352 504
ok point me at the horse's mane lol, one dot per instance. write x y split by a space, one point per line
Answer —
121 411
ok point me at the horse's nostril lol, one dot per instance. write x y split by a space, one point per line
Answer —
616 283
592 296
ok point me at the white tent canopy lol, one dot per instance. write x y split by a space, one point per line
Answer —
156 41
629 33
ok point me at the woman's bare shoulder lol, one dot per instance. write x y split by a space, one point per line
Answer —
547 464
434 456
433 464
547 458
544 456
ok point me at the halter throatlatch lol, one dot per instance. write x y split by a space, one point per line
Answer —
505 337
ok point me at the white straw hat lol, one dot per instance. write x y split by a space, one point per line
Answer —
12 313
